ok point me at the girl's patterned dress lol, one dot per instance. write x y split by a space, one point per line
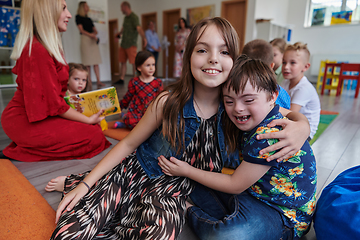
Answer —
126 204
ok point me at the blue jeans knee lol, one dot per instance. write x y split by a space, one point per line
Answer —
247 218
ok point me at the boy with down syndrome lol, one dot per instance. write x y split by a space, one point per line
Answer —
273 200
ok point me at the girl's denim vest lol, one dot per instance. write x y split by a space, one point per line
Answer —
156 145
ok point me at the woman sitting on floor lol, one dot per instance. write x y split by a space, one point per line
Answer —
37 119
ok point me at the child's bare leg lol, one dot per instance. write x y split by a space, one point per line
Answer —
56 184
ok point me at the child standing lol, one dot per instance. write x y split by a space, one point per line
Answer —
141 90
126 196
279 46
78 77
262 50
274 200
304 98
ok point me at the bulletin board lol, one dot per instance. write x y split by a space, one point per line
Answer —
194 15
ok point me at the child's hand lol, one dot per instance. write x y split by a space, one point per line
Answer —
70 200
173 167
96 118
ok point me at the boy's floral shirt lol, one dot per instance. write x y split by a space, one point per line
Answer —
288 186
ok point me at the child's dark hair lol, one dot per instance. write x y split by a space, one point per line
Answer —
79 67
260 76
259 49
141 57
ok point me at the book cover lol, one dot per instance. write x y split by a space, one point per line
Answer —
89 103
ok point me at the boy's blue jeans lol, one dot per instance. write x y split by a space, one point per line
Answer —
227 216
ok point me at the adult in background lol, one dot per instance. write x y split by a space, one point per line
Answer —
90 53
153 43
129 32
37 119
180 39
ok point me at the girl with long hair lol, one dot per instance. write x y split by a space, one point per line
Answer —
126 196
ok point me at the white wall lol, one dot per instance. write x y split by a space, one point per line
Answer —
71 40
276 10
140 7
339 41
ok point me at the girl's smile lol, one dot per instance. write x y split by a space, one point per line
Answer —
210 60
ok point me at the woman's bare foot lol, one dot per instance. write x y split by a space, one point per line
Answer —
56 184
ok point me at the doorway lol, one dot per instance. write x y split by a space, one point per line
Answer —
114 49
170 22
235 12
146 18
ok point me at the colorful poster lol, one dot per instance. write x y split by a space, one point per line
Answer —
196 14
318 16
341 17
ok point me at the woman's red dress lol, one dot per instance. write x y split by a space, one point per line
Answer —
31 118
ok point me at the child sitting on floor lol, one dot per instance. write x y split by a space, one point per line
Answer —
280 192
304 98
141 90
78 76
78 81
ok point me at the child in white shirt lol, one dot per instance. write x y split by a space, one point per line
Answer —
304 98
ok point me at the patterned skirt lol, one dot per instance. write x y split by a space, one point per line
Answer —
126 204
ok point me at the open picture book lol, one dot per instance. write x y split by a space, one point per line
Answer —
89 103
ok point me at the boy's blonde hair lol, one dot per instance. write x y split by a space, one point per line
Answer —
280 43
40 18
298 47
81 10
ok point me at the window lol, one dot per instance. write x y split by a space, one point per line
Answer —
329 12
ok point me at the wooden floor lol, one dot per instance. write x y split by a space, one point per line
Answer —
336 149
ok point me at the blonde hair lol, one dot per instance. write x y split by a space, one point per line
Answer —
39 18
280 43
81 10
299 46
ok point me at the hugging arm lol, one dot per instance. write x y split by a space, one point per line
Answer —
244 176
291 138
